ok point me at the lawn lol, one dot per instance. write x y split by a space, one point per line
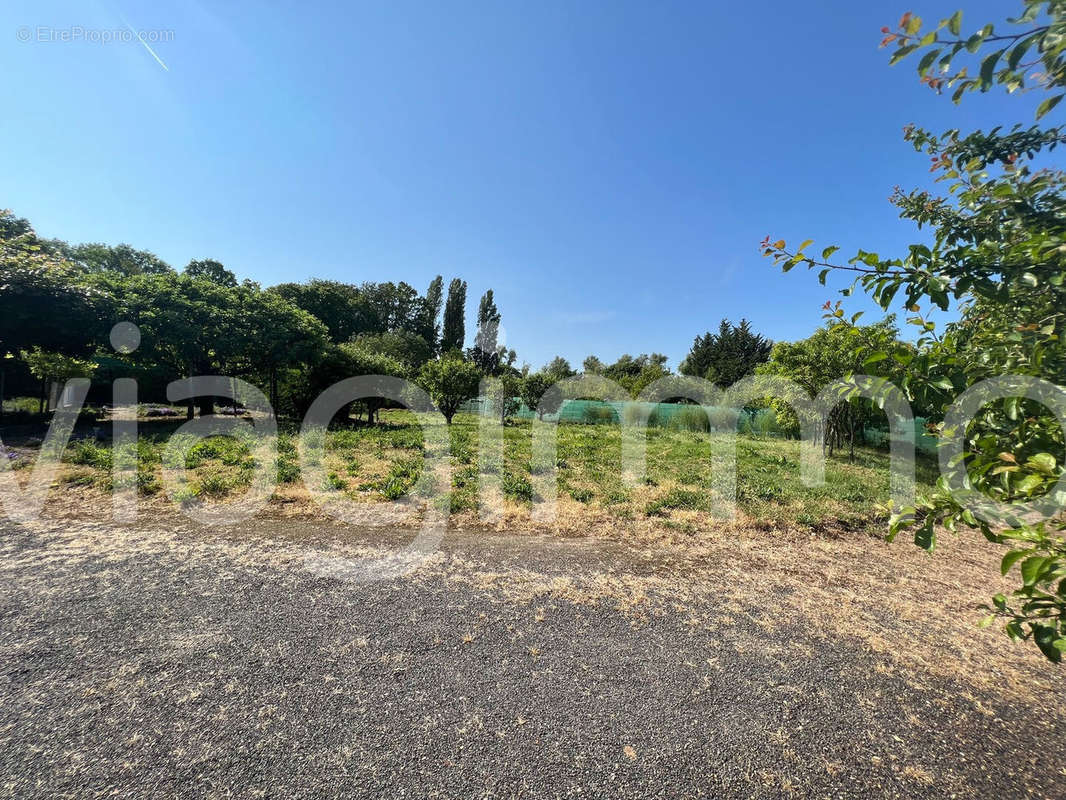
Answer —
373 464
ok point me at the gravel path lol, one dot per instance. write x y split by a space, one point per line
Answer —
171 661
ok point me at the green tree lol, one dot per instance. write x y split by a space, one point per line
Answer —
211 270
559 368
403 346
189 326
42 302
347 360
450 382
122 258
343 308
454 317
727 356
485 352
533 388
829 354
633 374
49 368
593 366
998 251
434 299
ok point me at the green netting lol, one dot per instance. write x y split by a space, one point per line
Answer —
880 437
663 415
680 416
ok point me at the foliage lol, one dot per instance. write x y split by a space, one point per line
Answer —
121 259
454 333
211 270
430 326
484 353
728 355
450 382
998 251
506 393
834 352
55 366
41 304
634 374
403 346
343 308
593 366
559 368
533 388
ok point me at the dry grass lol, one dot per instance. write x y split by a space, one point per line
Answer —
917 613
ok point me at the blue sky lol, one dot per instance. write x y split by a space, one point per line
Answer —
608 168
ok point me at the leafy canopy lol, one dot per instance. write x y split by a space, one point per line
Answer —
998 252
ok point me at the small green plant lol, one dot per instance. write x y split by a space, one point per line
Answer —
582 494
516 487
89 453
288 469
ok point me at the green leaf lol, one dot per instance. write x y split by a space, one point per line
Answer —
925 536
806 244
927 61
1047 105
1031 569
955 22
1011 559
902 53
828 252
1046 638
1043 462
1029 484
1018 51
988 69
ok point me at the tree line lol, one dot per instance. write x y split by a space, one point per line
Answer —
60 301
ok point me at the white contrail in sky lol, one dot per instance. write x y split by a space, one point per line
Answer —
146 47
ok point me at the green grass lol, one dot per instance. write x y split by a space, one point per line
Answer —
385 462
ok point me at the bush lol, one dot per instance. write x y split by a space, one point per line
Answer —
89 453
215 484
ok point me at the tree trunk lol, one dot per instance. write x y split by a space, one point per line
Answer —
207 405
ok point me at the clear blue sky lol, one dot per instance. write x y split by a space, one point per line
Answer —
607 168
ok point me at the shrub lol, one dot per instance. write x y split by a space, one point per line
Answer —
215 484
288 469
89 453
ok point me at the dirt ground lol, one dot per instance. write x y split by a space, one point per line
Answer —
166 658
